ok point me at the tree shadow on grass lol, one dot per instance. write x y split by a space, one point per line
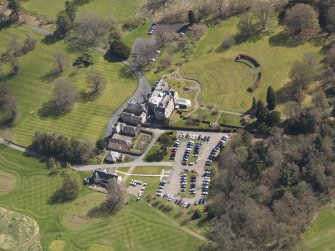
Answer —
113 58
283 39
59 197
51 39
287 93
48 110
7 23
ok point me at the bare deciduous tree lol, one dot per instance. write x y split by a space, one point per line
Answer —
14 45
59 63
65 95
144 50
155 5
163 35
263 11
96 82
302 20
89 28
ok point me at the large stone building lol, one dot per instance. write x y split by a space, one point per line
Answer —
124 129
134 114
161 101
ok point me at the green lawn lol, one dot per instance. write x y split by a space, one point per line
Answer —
149 169
136 225
321 234
86 120
122 10
224 81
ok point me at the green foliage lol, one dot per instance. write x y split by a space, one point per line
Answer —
301 124
63 24
14 6
119 49
70 10
254 104
273 119
100 145
60 147
271 99
165 139
197 214
261 111
69 190
84 60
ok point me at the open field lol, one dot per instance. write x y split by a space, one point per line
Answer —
149 169
7 182
136 225
224 81
121 10
321 234
86 120
18 232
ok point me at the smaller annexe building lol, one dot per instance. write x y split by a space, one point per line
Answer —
101 178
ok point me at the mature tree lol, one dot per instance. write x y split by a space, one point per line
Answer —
253 105
15 7
271 99
304 72
144 50
261 111
116 197
96 83
197 31
219 5
59 63
14 45
62 148
246 25
273 119
119 49
70 188
71 185
163 35
63 24
263 11
330 17
65 95
228 42
154 5
191 17
302 20
70 10
8 108
89 28
29 43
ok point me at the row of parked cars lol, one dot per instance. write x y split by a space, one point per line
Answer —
206 179
174 150
140 193
193 136
160 187
187 152
152 28
215 151
176 200
134 183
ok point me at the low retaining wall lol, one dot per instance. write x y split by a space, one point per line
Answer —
253 64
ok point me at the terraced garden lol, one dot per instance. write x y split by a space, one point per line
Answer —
136 225
224 81
86 120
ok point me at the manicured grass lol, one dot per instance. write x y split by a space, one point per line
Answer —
7 182
86 120
224 81
138 32
321 234
136 225
149 169
121 10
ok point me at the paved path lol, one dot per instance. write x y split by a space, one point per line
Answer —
22 149
38 30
